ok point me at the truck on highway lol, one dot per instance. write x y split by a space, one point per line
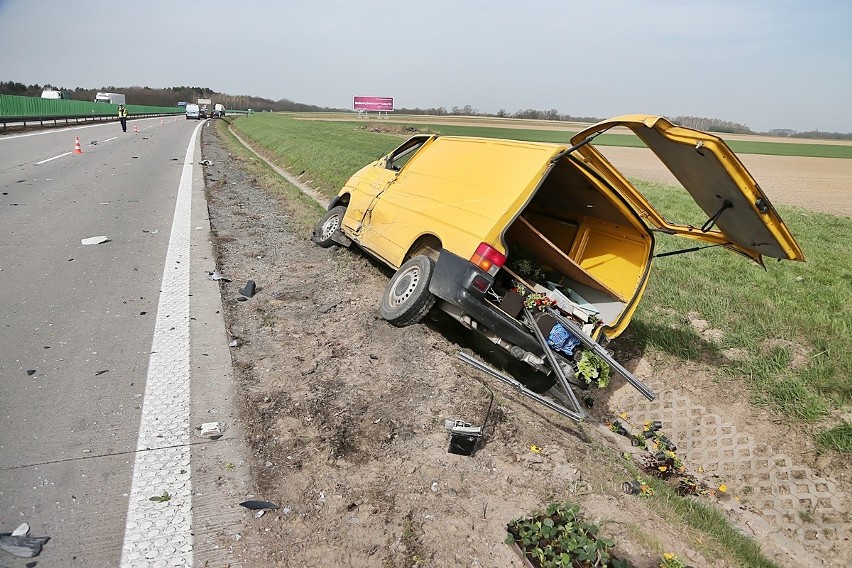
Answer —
204 106
218 110
52 94
111 98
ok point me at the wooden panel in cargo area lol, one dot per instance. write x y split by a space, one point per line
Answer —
547 253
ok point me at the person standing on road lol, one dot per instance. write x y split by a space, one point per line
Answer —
122 117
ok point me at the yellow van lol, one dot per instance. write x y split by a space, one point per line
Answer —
465 222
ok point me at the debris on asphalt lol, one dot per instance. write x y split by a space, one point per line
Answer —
153 232
258 505
212 430
248 289
241 298
215 276
259 514
102 372
94 142
235 342
17 543
31 371
206 163
95 240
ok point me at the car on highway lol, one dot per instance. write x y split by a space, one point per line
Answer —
483 227
192 111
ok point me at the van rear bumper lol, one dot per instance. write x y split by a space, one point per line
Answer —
452 281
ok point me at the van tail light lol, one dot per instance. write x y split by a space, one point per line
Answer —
488 259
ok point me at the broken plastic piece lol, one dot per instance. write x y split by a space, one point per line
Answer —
95 240
248 289
258 505
17 543
463 436
215 275
212 430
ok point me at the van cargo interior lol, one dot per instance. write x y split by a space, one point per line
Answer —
579 240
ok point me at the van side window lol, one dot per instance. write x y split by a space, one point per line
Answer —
399 157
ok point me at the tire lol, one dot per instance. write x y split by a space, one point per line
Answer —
407 299
328 227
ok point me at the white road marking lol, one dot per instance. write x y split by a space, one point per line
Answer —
113 138
158 533
53 158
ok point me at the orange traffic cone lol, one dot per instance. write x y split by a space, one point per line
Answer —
77 149
135 129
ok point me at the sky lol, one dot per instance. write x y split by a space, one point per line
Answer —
767 64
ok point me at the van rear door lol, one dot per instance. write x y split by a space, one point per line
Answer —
739 215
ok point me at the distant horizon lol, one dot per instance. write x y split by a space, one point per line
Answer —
447 108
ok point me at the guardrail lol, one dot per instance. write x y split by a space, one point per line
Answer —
26 111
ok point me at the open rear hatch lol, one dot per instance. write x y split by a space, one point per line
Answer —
739 215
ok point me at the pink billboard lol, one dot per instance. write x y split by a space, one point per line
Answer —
382 104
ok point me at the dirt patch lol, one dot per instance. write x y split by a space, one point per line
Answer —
345 417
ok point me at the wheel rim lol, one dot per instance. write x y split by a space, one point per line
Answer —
330 226
405 286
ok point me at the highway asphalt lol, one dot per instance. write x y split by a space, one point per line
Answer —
80 326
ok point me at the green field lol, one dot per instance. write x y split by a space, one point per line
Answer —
793 321
813 150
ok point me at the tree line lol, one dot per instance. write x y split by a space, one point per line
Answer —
172 95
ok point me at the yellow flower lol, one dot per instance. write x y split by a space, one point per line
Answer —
723 488
668 555
535 449
623 416
662 468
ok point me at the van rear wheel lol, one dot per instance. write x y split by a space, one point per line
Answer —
407 299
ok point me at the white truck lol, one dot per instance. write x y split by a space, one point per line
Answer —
111 98
52 94
204 106
218 110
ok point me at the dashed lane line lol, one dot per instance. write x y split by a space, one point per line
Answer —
53 158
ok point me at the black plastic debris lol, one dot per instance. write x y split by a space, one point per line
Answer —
31 371
102 372
206 163
258 505
17 543
248 289
94 142
463 436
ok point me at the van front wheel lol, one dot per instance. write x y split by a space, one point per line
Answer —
329 227
407 299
